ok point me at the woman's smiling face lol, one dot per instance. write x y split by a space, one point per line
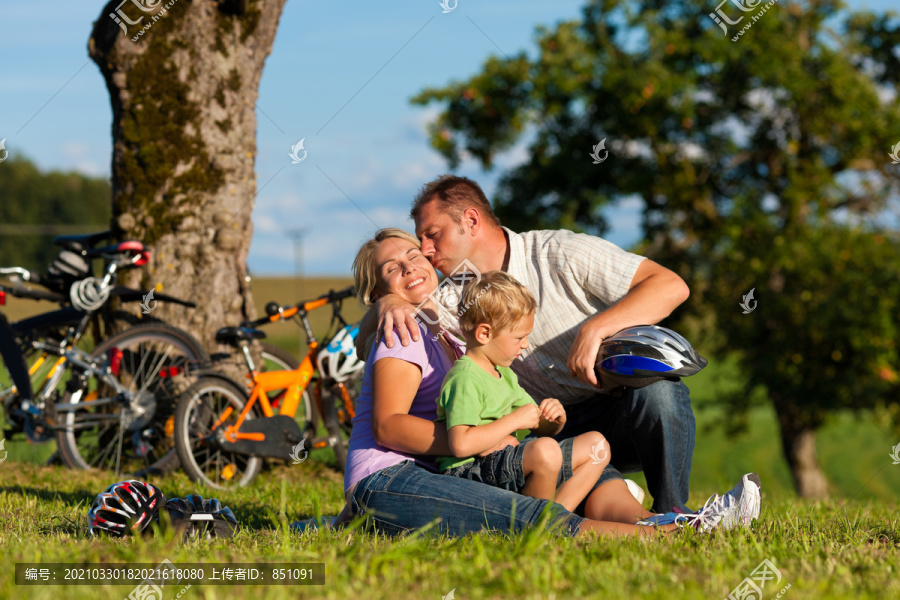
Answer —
403 270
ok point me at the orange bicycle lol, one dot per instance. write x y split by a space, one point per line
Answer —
223 434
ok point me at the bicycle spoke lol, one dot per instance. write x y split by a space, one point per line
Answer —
130 435
104 453
155 370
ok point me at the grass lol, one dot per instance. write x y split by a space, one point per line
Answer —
846 547
836 549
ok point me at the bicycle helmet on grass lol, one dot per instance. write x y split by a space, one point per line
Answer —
124 508
197 517
638 356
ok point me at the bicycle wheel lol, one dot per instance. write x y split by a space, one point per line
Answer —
337 437
200 408
136 431
277 359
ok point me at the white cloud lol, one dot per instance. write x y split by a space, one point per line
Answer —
82 158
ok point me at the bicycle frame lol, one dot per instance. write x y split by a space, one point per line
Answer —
75 321
294 382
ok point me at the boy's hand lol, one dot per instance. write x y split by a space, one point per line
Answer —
527 417
552 410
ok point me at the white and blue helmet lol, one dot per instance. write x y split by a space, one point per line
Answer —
338 359
638 356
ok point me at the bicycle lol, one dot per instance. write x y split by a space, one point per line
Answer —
223 432
126 385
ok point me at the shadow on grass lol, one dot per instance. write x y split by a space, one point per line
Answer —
58 523
70 498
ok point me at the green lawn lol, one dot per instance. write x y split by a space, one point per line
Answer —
846 547
838 549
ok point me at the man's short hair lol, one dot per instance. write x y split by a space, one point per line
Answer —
497 299
454 194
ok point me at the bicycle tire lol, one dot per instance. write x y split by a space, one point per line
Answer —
273 355
337 439
155 365
214 468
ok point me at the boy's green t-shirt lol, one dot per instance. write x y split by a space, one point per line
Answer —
470 396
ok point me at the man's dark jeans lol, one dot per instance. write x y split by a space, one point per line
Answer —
650 429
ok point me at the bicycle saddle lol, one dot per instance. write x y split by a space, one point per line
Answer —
232 336
77 243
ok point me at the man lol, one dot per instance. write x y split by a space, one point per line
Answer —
587 289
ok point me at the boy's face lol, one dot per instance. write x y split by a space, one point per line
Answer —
505 346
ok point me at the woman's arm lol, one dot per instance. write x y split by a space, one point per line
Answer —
394 386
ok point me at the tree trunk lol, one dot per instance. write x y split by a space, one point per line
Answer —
183 77
798 440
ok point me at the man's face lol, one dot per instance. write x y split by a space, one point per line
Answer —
445 242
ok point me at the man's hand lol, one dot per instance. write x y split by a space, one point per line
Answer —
509 440
394 311
583 353
552 410
654 293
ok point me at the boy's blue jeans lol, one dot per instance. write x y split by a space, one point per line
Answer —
650 429
505 468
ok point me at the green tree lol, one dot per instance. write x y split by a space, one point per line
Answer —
40 204
762 163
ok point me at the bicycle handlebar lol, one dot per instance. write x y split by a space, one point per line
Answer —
25 274
23 292
277 312
20 291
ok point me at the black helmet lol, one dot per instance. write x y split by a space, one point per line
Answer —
638 356
206 518
67 268
125 507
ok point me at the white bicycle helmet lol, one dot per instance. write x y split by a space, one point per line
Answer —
638 356
338 359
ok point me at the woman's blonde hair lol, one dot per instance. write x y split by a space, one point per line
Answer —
365 271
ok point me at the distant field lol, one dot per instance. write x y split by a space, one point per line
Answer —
285 290
289 290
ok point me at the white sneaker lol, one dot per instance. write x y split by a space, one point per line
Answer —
736 508
635 490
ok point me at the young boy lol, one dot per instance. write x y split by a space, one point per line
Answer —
482 404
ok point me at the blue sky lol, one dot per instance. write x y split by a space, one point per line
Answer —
367 57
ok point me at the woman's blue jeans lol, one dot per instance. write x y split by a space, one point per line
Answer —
406 497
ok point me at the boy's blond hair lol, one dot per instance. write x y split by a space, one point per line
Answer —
498 300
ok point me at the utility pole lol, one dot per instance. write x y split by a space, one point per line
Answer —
296 235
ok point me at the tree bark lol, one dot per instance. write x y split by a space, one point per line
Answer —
798 439
183 81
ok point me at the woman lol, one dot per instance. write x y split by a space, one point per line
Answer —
390 476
